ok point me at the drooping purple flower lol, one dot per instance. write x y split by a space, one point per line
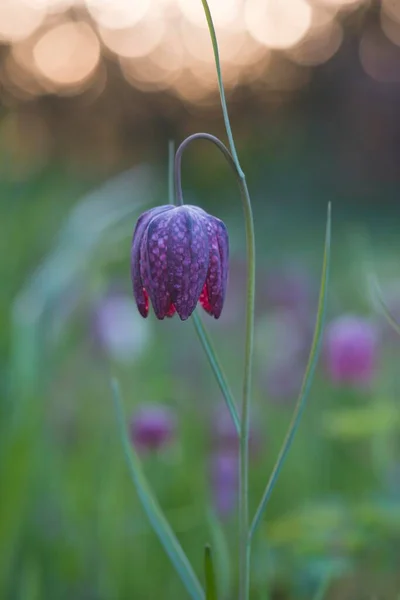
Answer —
179 256
351 350
152 427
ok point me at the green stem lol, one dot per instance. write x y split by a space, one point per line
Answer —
244 547
217 369
228 128
244 543
171 153
178 160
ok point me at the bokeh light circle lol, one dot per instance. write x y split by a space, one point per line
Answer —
68 53
19 19
391 28
137 41
380 58
318 46
224 12
118 14
278 24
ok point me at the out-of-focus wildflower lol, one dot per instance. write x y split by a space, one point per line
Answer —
119 329
225 460
225 437
351 350
179 257
289 287
282 379
224 482
224 434
152 427
283 341
283 333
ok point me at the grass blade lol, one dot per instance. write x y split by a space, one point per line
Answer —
152 508
225 114
221 555
323 589
211 586
217 368
377 297
307 380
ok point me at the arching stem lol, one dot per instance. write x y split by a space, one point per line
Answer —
244 541
178 160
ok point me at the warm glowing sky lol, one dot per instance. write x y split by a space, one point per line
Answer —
164 44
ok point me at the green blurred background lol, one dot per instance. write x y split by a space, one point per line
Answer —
90 96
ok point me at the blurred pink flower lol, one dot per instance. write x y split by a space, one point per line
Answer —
152 427
351 350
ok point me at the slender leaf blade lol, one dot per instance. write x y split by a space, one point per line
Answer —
217 368
307 380
380 303
152 508
221 555
211 586
323 588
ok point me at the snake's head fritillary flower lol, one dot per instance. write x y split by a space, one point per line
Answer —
179 257
152 427
351 350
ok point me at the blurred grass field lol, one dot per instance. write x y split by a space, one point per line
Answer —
71 524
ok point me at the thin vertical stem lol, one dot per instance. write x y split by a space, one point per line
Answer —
244 542
224 107
171 153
